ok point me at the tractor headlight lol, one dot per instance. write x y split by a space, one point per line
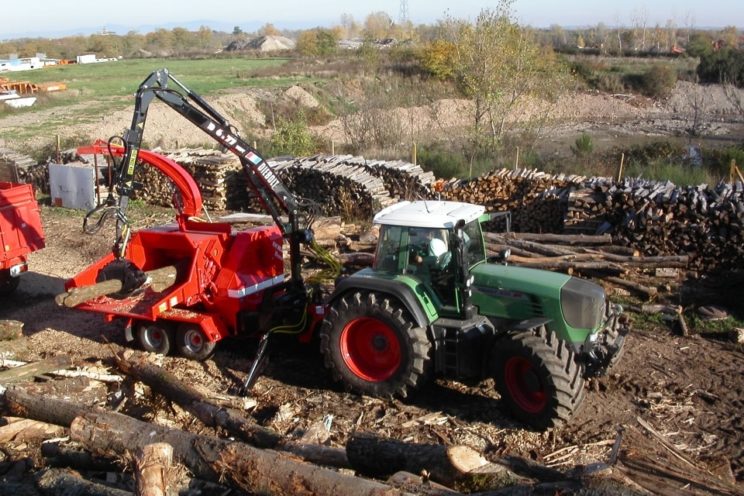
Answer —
583 303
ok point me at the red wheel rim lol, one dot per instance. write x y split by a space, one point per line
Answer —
371 349
524 385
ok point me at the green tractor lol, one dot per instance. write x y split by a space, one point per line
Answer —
433 304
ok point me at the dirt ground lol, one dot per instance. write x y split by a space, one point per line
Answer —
691 390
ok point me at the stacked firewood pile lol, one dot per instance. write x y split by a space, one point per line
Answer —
403 180
19 168
536 199
213 171
653 218
659 219
341 187
82 437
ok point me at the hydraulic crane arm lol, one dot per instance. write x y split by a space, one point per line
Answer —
274 196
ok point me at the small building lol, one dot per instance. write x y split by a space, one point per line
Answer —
20 64
88 58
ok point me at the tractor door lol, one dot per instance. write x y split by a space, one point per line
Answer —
430 260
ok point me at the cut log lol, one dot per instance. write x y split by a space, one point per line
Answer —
565 239
10 329
158 280
243 466
23 403
19 430
25 372
375 456
647 291
152 467
234 421
55 481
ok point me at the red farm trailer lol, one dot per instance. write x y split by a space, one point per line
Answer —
21 232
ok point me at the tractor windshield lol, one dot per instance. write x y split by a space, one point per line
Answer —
474 250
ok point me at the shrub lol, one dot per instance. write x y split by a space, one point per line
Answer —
292 138
583 146
658 81
444 164
437 59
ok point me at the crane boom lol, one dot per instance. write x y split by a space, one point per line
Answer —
271 192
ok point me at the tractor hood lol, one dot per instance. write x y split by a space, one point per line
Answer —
574 306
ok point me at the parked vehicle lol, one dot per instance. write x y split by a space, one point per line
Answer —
21 232
432 303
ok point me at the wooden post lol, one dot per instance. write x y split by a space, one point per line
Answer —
620 169
516 162
414 154
333 147
59 152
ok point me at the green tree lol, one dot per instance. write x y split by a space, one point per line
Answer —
293 138
437 58
326 41
498 64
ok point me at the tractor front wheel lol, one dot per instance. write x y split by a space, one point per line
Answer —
192 343
371 344
539 380
155 337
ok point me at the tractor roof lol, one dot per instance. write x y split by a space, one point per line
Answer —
441 214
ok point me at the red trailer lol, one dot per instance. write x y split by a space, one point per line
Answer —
20 232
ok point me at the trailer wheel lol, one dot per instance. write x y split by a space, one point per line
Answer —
156 337
539 380
370 344
8 283
192 343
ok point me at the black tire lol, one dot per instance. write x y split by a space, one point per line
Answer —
192 343
370 344
155 337
539 380
8 283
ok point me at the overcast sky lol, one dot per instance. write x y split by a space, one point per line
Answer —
55 17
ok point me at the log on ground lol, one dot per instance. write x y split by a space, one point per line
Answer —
235 421
243 466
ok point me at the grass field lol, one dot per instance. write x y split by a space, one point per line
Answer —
122 77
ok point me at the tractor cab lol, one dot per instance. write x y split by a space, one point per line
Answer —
433 242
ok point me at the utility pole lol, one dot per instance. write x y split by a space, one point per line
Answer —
403 13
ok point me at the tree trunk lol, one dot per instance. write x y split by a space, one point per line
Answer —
235 421
151 469
43 408
20 430
378 457
247 468
158 280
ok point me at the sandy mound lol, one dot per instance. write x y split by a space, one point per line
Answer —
301 97
165 128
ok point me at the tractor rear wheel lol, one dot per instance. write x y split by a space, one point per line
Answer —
371 344
192 343
8 283
539 380
155 337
